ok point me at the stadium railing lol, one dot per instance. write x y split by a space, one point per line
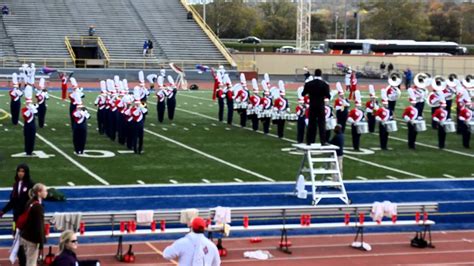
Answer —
247 219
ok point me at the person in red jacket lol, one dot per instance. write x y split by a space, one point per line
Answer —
465 116
410 115
439 117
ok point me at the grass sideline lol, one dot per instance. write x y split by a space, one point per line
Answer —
196 148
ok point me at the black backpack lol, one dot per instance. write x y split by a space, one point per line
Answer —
418 241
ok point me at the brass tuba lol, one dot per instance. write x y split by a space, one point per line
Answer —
452 80
438 83
422 80
395 79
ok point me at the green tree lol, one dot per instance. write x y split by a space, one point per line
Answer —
320 26
278 20
396 19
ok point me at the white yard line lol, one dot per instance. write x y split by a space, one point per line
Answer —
173 181
206 181
238 180
140 182
293 141
361 177
448 176
71 184
69 158
391 177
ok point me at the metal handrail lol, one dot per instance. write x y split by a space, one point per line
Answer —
69 49
91 39
210 33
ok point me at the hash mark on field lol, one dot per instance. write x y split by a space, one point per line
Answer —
192 124
210 105
391 177
173 124
185 129
195 105
227 128
125 151
200 103
212 124
66 124
238 180
71 184
173 181
151 124
164 129
404 127
140 182
6 129
185 103
206 181
361 177
206 128
53 129
289 128
89 124
448 176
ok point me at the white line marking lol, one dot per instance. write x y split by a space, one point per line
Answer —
467 240
69 158
361 177
448 176
293 141
71 184
165 129
125 151
53 129
206 181
210 156
391 177
238 180
140 182
173 181
192 124
185 129
206 128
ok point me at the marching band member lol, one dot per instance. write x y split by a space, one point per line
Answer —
161 99
347 81
265 108
41 97
280 107
163 73
29 129
23 75
302 111
371 106
355 115
439 117
229 96
64 79
410 115
79 129
393 91
101 102
219 94
121 104
15 102
328 116
112 111
436 97
143 90
73 96
382 116
242 98
129 120
254 103
152 78
353 85
171 92
462 95
138 113
421 81
341 104
449 91
465 116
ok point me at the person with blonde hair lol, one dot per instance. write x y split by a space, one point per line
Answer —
33 235
67 251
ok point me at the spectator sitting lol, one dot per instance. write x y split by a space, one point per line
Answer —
91 30
145 48
67 247
5 10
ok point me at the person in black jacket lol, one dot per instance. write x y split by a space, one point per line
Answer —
317 90
67 247
33 235
18 199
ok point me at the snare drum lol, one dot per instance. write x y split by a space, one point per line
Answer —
276 115
449 127
330 124
291 117
250 111
470 124
362 127
243 105
237 105
420 125
391 126
267 113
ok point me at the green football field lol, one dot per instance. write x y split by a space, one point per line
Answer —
196 148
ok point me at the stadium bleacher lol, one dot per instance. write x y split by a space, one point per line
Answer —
37 30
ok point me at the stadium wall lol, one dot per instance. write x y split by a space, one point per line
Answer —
289 64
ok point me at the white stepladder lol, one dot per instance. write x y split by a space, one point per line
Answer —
321 161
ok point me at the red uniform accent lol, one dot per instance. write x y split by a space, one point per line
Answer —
230 95
356 115
353 86
27 116
465 114
265 102
383 114
339 104
300 110
440 114
255 100
410 113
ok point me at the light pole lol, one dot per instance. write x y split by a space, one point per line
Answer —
204 2
335 25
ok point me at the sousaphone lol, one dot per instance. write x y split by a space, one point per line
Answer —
395 79
422 80
452 80
438 83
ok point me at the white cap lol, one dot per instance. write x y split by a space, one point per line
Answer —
103 87
160 81
41 83
281 86
73 82
15 79
171 81
141 77
255 85
339 89
372 91
162 72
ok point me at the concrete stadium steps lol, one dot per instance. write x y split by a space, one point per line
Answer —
7 50
181 39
